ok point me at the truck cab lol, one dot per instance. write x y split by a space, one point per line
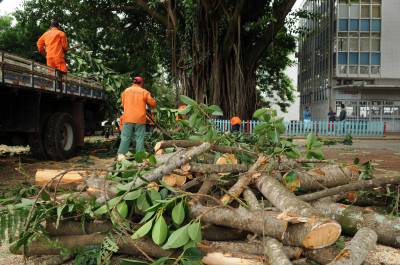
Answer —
49 110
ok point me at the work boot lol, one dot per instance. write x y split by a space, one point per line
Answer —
121 157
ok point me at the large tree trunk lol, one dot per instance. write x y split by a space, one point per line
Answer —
357 250
352 218
326 231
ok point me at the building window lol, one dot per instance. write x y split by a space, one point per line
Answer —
376 11
364 26
343 44
364 58
364 44
343 11
353 58
355 11
353 26
375 70
376 25
353 45
342 57
353 69
343 25
375 58
364 70
375 45
343 69
365 11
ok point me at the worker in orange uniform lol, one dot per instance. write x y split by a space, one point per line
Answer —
235 124
54 44
134 101
180 116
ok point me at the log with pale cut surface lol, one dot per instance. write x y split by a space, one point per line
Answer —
322 231
357 250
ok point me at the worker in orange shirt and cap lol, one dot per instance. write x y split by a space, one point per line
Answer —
134 101
179 116
235 124
54 44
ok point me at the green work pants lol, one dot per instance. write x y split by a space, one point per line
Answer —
127 137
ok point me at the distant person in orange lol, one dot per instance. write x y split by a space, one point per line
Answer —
179 116
134 101
235 124
54 44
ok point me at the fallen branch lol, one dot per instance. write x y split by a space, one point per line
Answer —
251 200
359 185
275 253
243 181
213 168
326 231
357 250
190 143
352 218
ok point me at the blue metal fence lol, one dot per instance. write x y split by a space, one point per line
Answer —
322 128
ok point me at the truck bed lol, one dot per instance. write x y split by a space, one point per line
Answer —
20 73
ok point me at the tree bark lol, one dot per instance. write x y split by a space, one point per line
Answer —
357 250
174 162
243 181
326 231
254 248
275 253
359 185
213 168
324 177
352 218
71 228
251 200
190 143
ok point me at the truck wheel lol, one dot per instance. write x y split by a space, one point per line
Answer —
60 136
37 147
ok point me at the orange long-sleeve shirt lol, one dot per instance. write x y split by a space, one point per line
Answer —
134 100
235 121
55 42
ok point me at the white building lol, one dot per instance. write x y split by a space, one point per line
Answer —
350 54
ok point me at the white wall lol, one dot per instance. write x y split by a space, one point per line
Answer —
390 42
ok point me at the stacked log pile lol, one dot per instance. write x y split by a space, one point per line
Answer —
249 213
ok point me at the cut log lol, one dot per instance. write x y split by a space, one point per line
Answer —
251 200
244 181
174 180
71 228
176 161
357 250
126 245
324 177
352 218
69 180
325 232
264 223
213 168
254 248
359 185
275 253
217 258
190 143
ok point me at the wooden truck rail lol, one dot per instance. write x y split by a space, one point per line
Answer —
22 73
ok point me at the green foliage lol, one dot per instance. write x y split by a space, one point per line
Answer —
313 147
348 140
366 168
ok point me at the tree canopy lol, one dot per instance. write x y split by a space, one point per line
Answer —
229 53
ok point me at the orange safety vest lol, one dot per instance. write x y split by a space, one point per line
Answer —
235 121
134 100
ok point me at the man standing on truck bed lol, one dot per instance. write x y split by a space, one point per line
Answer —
54 44
134 101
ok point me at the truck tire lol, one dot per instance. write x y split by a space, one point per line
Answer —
60 136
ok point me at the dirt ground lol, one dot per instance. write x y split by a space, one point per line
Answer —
100 154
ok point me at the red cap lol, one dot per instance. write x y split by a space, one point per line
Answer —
138 80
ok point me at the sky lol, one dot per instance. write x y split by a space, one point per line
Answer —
8 6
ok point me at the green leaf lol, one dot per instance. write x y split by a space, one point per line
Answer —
26 202
178 238
274 136
133 195
315 154
185 111
160 261
192 254
147 217
154 196
103 209
194 231
193 119
293 154
45 196
142 202
311 139
187 100
178 213
215 110
60 209
160 231
122 209
133 262
143 230
152 160
260 112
